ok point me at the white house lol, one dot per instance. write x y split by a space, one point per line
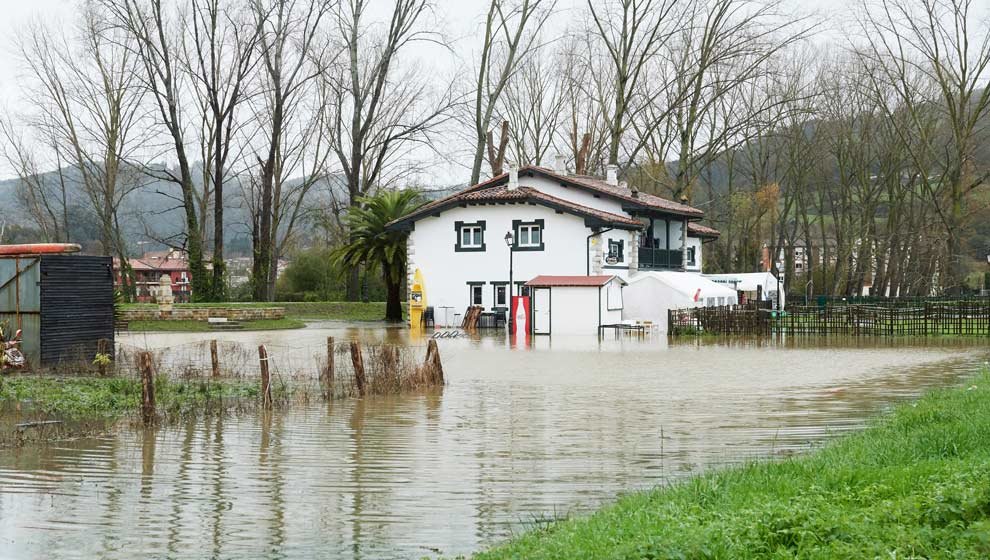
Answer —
560 224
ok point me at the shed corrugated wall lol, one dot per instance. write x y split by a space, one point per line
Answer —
76 307
20 302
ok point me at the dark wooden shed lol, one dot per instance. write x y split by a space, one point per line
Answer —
62 303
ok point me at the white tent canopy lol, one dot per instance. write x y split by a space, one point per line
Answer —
650 295
750 282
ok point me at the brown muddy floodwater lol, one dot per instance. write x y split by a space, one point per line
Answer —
518 436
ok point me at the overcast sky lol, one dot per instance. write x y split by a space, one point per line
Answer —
458 18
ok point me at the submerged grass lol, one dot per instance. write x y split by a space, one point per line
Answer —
109 398
327 310
203 326
916 484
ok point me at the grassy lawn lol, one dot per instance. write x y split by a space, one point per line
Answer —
203 326
329 310
914 485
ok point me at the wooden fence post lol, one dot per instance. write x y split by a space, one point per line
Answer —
214 358
358 361
101 350
433 363
328 370
147 388
266 378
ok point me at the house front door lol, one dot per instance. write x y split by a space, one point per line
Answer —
541 310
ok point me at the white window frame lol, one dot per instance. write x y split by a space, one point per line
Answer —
529 229
471 242
504 301
477 295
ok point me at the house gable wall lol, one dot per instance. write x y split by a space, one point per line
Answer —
573 194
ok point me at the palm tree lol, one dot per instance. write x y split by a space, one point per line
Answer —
374 245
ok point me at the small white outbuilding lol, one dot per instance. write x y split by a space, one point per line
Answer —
575 304
650 295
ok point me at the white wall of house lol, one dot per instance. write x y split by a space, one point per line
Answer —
627 242
448 273
694 242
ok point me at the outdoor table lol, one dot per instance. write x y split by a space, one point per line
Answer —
446 314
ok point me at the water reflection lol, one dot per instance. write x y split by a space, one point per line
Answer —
518 434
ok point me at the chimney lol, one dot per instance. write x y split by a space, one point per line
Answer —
560 164
513 177
612 175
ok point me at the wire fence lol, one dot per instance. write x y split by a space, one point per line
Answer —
340 368
934 317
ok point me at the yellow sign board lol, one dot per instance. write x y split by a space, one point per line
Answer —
417 300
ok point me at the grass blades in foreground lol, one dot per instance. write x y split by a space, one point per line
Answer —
916 484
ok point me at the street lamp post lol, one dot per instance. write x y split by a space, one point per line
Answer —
510 243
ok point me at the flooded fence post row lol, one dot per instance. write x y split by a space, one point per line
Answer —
283 373
937 317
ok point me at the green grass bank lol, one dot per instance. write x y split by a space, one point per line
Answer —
915 484
326 310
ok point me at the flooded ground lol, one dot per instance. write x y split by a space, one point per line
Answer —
519 435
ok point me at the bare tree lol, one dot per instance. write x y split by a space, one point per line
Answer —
633 32
220 60
288 46
533 107
377 114
155 37
89 99
511 36
46 203
936 55
716 61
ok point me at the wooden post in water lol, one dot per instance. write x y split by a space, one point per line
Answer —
358 361
328 370
214 358
147 388
266 378
433 364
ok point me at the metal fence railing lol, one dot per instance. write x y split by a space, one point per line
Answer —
933 317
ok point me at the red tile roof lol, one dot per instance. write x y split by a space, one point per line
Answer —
520 194
699 230
494 190
571 281
626 194
593 183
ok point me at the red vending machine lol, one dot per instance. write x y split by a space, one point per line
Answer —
519 317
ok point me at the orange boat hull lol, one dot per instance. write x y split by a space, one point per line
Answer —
38 249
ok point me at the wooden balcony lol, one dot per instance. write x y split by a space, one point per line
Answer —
660 259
